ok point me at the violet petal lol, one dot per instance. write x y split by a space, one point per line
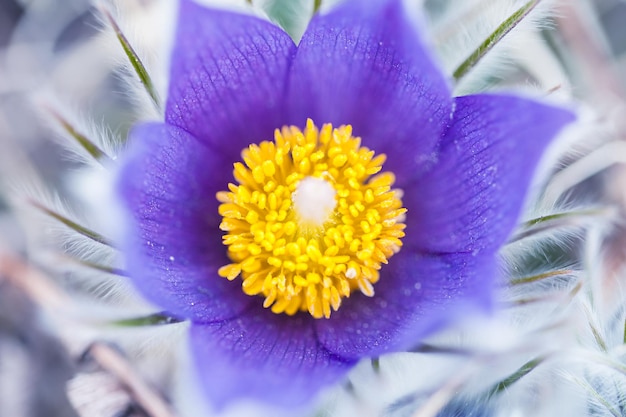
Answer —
417 294
264 355
363 64
228 77
173 245
472 199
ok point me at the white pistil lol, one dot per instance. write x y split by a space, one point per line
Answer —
314 200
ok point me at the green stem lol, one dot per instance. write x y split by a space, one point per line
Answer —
519 374
563 215
132 56
376 365
595 331
102 268
316 5
91 148
156 319
594 393
72 224
493 39
544 223
441 350
530 300
540 277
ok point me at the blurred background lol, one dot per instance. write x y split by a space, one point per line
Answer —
56 47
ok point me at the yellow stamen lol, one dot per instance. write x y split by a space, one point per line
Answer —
311 220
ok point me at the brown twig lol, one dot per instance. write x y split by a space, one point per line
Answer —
45 294
32 282
438 400
144 395
592 57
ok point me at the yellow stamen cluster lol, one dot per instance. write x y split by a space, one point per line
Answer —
299 265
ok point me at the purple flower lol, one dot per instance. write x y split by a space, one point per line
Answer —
463 165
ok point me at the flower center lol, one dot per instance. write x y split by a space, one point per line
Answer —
311 220
314 201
